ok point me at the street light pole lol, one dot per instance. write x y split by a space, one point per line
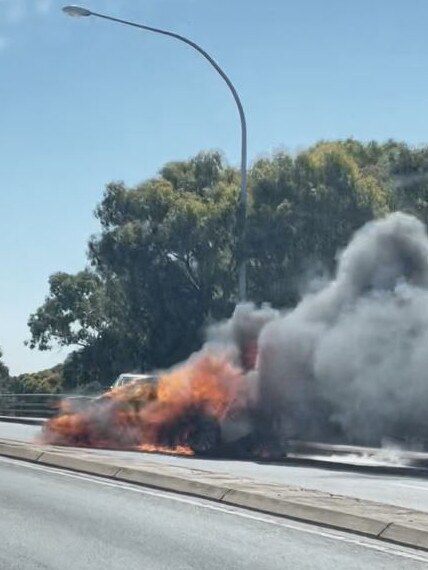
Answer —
242 214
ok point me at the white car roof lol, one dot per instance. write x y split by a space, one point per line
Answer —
136 376
127 378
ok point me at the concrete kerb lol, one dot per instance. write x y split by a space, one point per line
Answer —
73 463
405 527
403 535
20 451
318 515
171 483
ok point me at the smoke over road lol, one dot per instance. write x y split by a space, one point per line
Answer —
349 363
352 359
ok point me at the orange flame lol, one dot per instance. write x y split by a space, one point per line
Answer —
180 450
155 417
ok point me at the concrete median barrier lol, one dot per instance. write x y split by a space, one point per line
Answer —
24 421
20 451
171 483
74 463
314 513
385 522
414 536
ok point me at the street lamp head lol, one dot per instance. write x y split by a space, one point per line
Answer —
76 11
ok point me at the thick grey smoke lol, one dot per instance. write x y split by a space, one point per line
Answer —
238 338
352 359
240 333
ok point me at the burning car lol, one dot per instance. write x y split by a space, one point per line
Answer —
203 407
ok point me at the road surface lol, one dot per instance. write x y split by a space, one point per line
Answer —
54 519
402 491
18 431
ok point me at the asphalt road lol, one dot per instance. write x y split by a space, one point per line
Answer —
402 491
53 519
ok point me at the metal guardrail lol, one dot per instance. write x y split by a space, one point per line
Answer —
30 405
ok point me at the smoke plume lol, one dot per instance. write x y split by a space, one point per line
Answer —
351 361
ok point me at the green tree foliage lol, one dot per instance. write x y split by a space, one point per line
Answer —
168 245
4 375
73 313
165 261
303 211
408 172
43 382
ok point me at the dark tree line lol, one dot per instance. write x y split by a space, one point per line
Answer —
4 376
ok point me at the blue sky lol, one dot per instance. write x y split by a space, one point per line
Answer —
84 102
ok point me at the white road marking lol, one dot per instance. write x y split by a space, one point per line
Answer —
391 549
410 486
